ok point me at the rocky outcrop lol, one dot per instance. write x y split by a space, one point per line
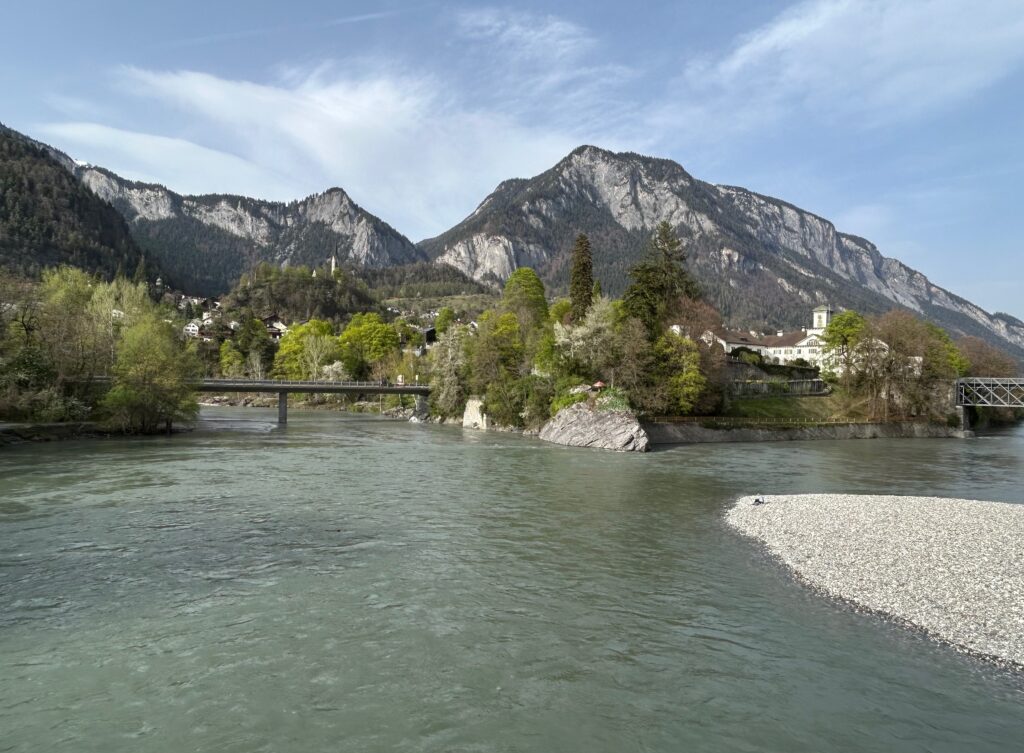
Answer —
473 417
580 425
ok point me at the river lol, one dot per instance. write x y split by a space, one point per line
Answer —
350 583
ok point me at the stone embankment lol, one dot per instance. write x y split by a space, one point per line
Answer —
582 425
687 433
951 567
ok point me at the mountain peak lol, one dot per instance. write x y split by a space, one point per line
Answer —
764 263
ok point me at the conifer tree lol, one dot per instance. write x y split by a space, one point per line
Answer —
581 280
659 282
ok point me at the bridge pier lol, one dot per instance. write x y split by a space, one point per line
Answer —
282 408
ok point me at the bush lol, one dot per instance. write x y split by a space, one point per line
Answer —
613 399
748 356
565 399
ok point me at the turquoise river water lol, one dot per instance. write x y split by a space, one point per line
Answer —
356 584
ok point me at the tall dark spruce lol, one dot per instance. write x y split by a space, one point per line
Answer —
581 279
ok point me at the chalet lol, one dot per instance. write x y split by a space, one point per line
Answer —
192 328
276 329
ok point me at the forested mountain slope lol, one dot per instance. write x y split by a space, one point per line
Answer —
48 218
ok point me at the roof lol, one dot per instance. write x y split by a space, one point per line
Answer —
739 338
786 340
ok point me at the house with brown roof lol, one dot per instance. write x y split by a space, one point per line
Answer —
782 347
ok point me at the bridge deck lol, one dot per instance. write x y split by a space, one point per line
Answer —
995 392
323 387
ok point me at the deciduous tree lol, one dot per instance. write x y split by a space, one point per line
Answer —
153 379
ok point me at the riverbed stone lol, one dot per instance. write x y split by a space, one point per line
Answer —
581 425
952 567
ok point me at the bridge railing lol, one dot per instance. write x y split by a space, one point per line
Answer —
995 392
307 382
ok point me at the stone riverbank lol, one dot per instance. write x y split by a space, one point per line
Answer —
951 567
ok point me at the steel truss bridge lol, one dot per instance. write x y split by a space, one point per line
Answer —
990 392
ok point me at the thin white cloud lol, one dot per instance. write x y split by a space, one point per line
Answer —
360 18
545 70
866 220
177 163
399 144
850 62
527 37
230 36
419 147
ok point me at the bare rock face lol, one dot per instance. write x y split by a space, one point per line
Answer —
751 253
474 417
581 426
224 235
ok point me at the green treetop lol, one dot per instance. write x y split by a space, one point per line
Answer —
444 320
841 337
305 349
366 342
153 379
524 297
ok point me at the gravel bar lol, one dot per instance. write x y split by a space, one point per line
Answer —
951 567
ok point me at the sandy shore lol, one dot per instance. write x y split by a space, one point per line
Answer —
952 567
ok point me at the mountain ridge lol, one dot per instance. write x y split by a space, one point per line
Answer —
763 261
212 239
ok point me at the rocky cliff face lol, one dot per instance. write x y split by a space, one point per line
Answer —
764 263
206 242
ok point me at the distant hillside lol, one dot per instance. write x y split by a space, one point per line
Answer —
205 243
762 262
295 294
48 218
421 280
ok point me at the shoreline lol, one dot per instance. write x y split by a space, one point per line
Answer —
951 569
694 433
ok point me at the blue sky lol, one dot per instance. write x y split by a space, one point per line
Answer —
899 120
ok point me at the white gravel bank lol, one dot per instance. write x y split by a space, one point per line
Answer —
953 567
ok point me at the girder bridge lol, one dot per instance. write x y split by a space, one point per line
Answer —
282 387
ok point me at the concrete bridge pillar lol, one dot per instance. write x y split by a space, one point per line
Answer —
422 408
282 408
965 422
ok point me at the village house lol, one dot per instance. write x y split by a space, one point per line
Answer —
782 347
276 329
